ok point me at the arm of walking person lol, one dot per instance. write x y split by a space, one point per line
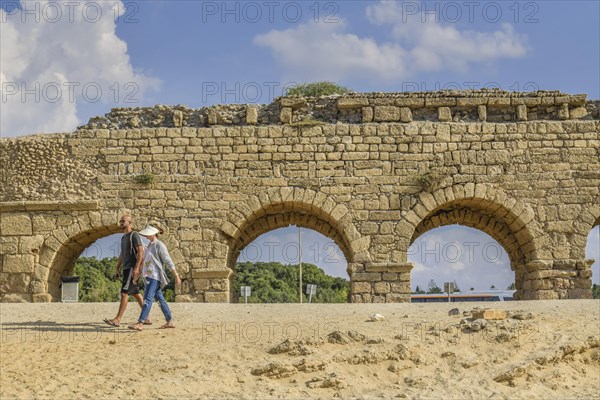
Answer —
118 271
168 261
138 264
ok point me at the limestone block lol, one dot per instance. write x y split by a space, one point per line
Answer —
410 102
201 284
41 273
14 283
378 298
367 114
19 263
285 117
482 113
444 114
563 111
398 297
386 113
16 298
293 102
349 103
522 112
366 277
15 224
400 287
213 117
471 101
42 298
543 295
30 244
216 297
490 314
406 114
382 287
442 102
177 118
219 285
9 245
38 287
361 287
578 112
42 223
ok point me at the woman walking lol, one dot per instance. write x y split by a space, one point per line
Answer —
156 257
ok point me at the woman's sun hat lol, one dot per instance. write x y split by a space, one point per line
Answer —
149 230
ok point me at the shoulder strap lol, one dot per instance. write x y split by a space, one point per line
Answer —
131 247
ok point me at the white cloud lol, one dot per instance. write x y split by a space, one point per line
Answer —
55 61
320 51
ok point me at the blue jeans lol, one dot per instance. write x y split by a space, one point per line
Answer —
151 292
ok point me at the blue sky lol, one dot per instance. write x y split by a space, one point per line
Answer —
200 53
64 62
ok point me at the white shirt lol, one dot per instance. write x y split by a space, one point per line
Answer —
150 269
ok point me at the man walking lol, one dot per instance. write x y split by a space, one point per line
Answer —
131 258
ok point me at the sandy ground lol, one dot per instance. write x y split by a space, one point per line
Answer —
52 351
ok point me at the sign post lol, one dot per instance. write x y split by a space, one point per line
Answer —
310 291
449 288
245 292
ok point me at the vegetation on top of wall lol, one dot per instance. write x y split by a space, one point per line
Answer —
316 89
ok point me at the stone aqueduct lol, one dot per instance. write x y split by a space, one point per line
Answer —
371 171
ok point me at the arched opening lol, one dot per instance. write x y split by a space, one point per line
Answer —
270 267
285 214
471 259
62 260
503 224
592 251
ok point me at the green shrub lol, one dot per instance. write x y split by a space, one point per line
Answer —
145 178
316 89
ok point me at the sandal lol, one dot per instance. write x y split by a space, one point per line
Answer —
112 322
147 322
135 327
168 325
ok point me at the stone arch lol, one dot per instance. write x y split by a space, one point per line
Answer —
589 219
281 207
509 221
60 251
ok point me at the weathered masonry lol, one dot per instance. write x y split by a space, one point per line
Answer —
371 171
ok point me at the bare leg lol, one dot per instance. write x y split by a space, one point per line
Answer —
122 307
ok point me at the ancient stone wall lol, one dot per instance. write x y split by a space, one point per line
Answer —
371 171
